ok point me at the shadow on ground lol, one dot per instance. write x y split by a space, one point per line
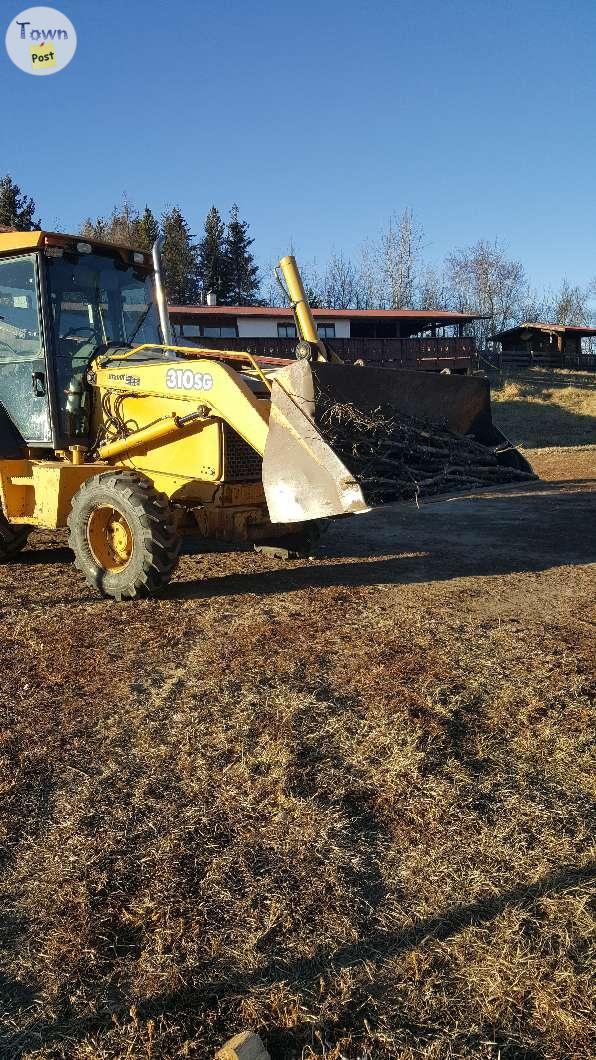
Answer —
537 527
533 424
374 947
543 528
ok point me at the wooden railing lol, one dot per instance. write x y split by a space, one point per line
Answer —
523 358
432 355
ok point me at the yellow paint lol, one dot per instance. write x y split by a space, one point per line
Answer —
146 437
185 462
193 453
76 453
15 242
23 242
225 355
110 538
16 488
41 492
42 55
300 304
306 322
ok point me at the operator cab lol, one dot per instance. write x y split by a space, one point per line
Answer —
59 304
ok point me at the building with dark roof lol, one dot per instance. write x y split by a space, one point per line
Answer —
432 339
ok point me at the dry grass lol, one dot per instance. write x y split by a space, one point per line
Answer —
541 407
355 817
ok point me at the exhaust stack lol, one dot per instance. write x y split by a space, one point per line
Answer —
160 294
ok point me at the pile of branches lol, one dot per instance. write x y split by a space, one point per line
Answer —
396 457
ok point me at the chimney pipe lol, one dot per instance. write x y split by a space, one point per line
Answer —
211 298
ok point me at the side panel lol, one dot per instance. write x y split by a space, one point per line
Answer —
187 385
40 493
16 490
195 454
55 485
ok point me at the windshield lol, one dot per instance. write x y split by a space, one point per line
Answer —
95 300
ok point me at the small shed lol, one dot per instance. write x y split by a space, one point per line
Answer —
547 345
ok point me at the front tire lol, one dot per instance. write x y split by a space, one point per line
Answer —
123 535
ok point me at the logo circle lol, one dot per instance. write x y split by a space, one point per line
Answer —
41 41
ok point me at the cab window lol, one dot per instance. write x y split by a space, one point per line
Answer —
22 364
96 300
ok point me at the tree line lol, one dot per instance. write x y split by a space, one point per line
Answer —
389 271
220 261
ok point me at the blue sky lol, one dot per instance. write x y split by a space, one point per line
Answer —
320 119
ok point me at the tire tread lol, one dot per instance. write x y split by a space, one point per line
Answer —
160 544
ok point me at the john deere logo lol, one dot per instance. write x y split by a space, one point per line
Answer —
41 40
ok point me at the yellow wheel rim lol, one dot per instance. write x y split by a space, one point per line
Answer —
110 538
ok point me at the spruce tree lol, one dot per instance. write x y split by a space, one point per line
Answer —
147 230
180 259
242 273
16 209
121 227
96 229
212 257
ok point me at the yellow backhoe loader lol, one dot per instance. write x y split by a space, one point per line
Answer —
109 428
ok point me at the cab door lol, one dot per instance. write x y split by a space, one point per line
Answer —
23 377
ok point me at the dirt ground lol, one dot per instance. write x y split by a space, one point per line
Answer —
346 802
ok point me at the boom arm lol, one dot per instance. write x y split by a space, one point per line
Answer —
208 385
304 318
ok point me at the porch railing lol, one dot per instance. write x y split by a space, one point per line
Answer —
429 354
522 358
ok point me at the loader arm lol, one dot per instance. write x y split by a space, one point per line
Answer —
312 346
208 386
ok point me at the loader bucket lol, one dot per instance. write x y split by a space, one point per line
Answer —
302 475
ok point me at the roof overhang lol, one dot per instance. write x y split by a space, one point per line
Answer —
553 329
424 317
22 242
13 242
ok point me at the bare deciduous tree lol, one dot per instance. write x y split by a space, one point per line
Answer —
371 278
535 306
571 305
402 252
483 280
432 292
391 266
341 284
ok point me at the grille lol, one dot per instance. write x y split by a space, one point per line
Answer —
241 463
